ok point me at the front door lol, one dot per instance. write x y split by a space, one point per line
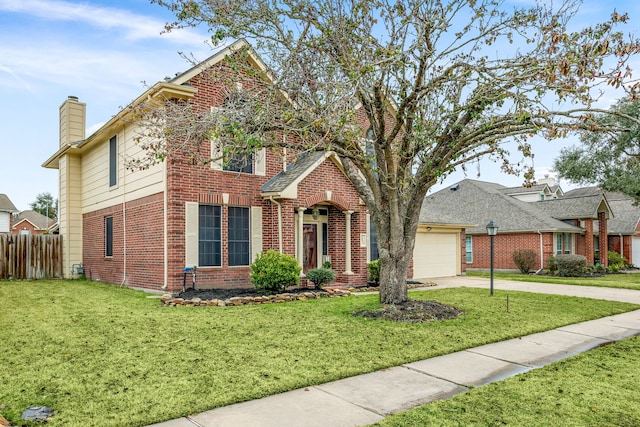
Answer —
310 247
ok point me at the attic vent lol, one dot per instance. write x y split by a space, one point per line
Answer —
454 187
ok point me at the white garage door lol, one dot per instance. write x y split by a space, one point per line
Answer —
635 251
435 255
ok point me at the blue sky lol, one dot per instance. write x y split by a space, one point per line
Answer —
102 51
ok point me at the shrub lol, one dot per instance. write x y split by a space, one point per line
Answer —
273 272
525 260
552 265
571 265
374 271
616 259
321 276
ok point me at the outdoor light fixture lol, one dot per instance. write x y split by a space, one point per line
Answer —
315 213
492 230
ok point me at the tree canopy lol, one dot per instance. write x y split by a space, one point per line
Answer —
609 159
45 205
403 91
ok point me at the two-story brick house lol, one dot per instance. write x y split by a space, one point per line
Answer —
141 228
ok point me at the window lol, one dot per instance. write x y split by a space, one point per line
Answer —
563 243
209 235
469 249
239 162
108 236
373 242
113 161
238 222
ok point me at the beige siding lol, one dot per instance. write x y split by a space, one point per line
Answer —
70 214
131 185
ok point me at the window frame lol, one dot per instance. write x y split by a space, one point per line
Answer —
113 161
238 236
468 248
213 237
108 236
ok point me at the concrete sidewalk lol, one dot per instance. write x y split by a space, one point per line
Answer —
368 398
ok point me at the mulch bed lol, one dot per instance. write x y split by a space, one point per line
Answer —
410 311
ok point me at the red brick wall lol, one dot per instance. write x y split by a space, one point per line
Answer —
614 245
504 246
25 225
144 265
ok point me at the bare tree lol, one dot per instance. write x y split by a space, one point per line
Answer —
404 92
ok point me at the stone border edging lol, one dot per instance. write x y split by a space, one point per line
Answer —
170 300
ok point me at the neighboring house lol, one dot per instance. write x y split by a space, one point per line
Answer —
32 222
142 228
7 209
624 228
541 218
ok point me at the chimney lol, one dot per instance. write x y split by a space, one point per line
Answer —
549 180
73 115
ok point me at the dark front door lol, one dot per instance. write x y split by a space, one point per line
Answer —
310 247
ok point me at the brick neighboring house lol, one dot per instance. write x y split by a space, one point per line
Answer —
142 228
541 218
32 222
7 210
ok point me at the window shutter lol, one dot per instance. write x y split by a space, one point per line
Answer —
256 231
191 212
261 162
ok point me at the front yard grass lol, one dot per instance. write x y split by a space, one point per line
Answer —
617 280
596 388
101 355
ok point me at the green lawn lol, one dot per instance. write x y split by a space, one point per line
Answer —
619 280
596 388
102 355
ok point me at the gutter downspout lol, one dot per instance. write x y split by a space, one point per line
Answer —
279 222
165 251
541 254
124 215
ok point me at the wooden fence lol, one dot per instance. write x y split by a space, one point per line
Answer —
30 256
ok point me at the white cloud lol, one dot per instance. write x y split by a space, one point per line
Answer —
16 79
133 26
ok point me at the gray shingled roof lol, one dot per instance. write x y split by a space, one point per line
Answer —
626 214
6 205
478 202
37 219
295 170
575 207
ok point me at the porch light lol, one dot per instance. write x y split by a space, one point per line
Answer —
492 230
315 213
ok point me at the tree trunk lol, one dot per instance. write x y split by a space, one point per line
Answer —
393 278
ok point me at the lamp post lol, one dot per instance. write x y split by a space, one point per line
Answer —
492 230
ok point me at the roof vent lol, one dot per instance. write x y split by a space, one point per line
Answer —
72 98
454 187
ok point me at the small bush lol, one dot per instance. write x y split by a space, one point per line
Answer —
616 259
525 260
571 265
374 271
552 265
321 276
273 272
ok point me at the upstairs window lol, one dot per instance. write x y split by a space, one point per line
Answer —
113 161
239 162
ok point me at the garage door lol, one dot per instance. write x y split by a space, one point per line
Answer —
635 251
435 255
